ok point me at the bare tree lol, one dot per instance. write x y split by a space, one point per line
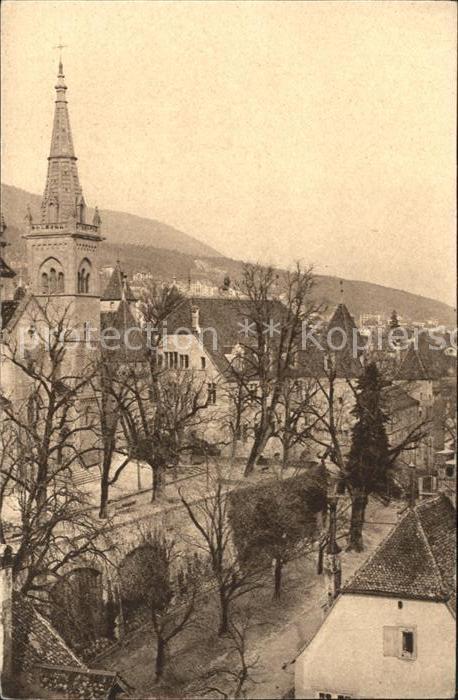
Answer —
150 581
49 437
160 419
214 535
230 680
276 522
157 301
277 309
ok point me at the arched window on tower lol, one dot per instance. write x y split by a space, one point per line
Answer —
84 275
52 281
51 278
44 283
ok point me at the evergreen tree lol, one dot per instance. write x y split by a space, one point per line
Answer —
369 459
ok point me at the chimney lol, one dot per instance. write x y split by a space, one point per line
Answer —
195 326
6 614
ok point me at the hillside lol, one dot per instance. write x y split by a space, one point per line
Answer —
164 252
117 225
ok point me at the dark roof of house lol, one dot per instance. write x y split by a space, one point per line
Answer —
118 287
7 309
130 343
427 360
5 270
417 559
50 655
340 340
398 399
224 322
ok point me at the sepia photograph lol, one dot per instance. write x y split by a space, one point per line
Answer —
228 349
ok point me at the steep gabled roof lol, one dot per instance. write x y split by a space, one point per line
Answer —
130 345
118 288
417 559
7 309
426 361
12 310
339 341
5 270
224 322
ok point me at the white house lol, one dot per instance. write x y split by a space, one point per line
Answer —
391 631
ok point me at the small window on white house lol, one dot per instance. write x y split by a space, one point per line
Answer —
408 643
203 363
400 642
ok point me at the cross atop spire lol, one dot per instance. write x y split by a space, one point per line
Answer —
63 197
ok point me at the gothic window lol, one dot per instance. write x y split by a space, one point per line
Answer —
52 281
84 277
51 278
44 283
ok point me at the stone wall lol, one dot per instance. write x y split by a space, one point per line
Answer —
74 683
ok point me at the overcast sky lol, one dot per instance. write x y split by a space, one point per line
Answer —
270 130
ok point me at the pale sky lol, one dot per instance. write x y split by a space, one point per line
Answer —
273 131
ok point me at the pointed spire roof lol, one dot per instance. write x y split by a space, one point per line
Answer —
118 288
63 190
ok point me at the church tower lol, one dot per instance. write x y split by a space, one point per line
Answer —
63 249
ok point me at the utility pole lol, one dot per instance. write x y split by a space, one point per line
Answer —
331 564
412 489
332 567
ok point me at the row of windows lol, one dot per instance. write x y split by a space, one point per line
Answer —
52 279
175 360
52 283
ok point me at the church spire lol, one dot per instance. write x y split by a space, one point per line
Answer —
63 199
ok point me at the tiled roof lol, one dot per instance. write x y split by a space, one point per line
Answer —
5 270
341 340
398 399
417 559
426 361
7 309
130 347
114 289
39 649
222 321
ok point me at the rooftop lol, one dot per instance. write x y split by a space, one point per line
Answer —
417 559
118 288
